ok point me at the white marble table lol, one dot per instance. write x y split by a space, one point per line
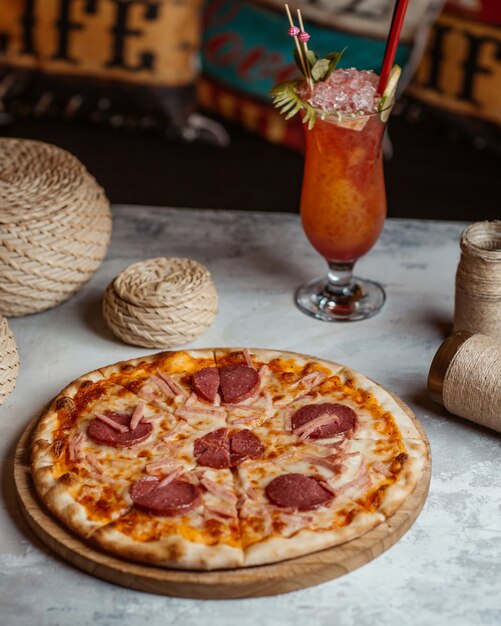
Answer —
445 571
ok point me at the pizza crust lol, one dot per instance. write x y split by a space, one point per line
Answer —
412 470
275 549
171 551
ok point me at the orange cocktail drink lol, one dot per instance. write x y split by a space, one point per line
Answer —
343 200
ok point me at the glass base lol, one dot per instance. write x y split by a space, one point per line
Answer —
317 300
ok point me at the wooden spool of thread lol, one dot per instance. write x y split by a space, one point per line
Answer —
478 280
465 377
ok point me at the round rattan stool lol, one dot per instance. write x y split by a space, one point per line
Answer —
161 302
55 226
9 360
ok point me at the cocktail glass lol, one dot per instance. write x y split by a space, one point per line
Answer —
343 209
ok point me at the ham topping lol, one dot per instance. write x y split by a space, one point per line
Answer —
331 463
243 407
191 400
287 419
177 389
94 463
382 469
263 371
154 417
164 462
201 411
269 409
247 418
121 428
219 512
147 392
304 431
172 433
163 386
138 414
247 357
308 382
218 490
284 456
74 447
361 481
336 445
249 464
166 480
294 522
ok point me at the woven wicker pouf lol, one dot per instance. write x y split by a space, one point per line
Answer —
9 360
55 226
161 302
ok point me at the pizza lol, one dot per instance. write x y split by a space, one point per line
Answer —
224 458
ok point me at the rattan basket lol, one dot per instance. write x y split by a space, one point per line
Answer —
160 303
9 360
55 226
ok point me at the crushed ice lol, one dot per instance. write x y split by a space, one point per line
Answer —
346 90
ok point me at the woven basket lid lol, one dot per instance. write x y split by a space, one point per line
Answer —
37 179
9 360
160 303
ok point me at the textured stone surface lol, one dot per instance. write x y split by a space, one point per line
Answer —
444 571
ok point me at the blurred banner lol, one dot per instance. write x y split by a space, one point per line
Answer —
127 62
459 77
246 50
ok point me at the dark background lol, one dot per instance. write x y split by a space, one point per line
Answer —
431 175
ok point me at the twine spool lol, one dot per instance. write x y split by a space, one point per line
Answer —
465 377
478 280
9 360
55 226
161 302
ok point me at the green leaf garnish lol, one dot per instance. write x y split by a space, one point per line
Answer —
312 57
334 58
320 69
309 55
285 96
289 102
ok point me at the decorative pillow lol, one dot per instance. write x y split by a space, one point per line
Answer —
246 50
124 62
459 78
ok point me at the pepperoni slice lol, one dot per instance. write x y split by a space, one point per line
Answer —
219 450
213 449
297 491
101 432
141 487
245 443
205 383
344 419
238 382
175 499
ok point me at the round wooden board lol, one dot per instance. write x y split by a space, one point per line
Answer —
263 580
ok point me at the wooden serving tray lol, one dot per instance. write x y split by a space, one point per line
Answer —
249 582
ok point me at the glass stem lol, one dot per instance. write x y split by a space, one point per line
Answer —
342 286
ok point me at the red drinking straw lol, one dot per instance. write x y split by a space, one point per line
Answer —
392 43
